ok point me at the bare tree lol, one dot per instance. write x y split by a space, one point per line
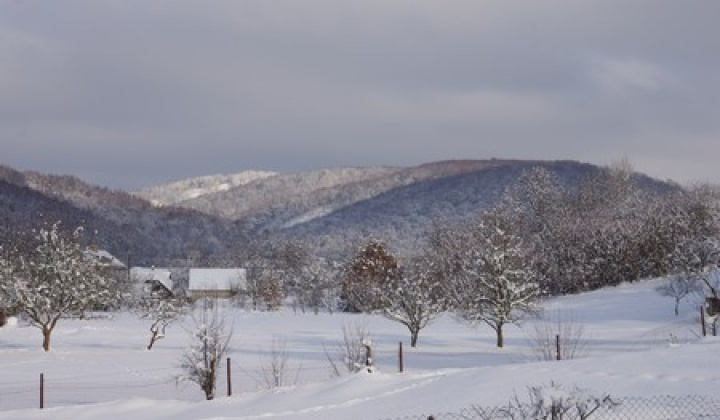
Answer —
209 342
161 312
678 287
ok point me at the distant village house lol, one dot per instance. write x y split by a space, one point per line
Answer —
216 283
152 282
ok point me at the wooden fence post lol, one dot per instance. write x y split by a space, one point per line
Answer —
702 321
557 346
42 390
229 379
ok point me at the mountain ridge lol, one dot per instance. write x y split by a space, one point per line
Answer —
328 207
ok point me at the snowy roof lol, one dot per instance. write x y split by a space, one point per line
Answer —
144 274
105 258
217 278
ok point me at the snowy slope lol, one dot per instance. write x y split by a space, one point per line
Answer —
175 192
98 368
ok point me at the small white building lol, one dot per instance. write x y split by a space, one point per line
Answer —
152 282
216 282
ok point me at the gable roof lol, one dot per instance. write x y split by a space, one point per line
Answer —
105 258
217 278
144 275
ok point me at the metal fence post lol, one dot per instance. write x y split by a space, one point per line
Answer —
229 379
42 391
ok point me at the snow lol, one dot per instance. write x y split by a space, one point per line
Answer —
99 368
217 279
187 189
308 216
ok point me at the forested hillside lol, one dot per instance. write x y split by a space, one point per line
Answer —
333 209
125 225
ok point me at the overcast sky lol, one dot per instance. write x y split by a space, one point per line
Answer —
131 93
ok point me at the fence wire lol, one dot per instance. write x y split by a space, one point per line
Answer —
691 407
158 383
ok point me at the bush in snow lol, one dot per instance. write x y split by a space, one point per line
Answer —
552 402
350 353
559 328
275 366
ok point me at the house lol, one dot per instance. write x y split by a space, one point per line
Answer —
216 282
152 282
105 259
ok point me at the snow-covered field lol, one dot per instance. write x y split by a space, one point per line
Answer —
99 369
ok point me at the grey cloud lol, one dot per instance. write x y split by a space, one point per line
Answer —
182 88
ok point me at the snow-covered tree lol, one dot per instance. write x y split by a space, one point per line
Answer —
414 298
316 287
697 250
540 200
209 341
55 279
264 274
678 287
498 286
698 258
263 285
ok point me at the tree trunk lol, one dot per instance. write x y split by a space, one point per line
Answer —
499 333
209 381
46 338
414 333
153 339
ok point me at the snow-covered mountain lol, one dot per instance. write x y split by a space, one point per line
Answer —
330 207
396 204
285 200
172 193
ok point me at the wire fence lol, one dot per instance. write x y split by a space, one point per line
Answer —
162 384
663 407
56 390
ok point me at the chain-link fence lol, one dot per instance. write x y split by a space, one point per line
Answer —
645 408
